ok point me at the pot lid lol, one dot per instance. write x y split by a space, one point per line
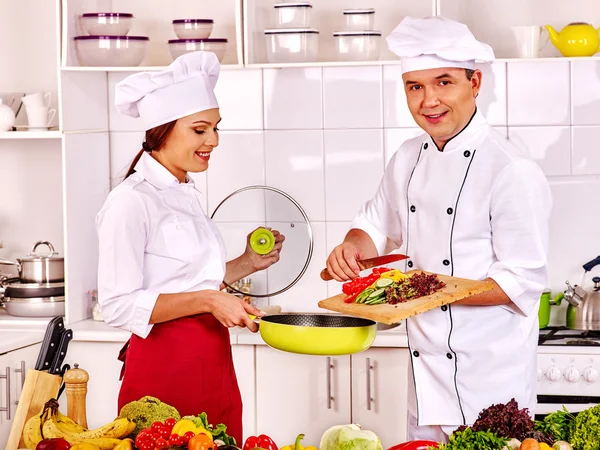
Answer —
33 256
251 213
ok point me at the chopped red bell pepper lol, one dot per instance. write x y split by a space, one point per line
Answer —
415 445
351 297
262 441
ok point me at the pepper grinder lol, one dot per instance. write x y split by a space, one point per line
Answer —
76 380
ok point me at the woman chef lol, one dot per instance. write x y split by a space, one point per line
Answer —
162 260
459 200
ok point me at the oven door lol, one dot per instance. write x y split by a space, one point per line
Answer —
574 403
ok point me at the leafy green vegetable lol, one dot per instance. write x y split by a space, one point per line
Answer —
218 432
349 437
585 434
473 440
558 423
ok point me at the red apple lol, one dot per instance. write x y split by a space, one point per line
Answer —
53 444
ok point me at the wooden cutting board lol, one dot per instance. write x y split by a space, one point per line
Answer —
455 289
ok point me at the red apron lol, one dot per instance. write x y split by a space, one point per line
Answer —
186 363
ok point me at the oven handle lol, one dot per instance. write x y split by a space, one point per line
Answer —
566 399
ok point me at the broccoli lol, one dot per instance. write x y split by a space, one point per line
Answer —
145 411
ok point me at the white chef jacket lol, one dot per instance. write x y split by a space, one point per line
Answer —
154 238
479 208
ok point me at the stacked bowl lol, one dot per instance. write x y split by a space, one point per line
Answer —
107 42
194 35
358 42
293 40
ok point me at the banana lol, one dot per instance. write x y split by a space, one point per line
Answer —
85 446
130 428
102 444
117 429
51 430
68 424
126 444
31 431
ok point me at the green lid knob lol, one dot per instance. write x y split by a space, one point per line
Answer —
262 241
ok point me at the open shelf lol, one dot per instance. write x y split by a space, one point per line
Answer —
31 135
154 20
134 68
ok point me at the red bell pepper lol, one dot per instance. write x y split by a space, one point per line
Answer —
415 445
351 297
262 441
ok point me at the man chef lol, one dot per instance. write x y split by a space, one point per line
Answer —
460 200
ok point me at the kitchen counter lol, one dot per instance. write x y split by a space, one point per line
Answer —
92 331
16 332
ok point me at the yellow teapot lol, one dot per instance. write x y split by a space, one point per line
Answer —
576 39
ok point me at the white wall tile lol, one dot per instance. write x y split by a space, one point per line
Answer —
550 147
492 97
586 150
116 120
237 162
336 231
538 93
353 170
293 99
305 295
352 97
395 109
585 88
502 130
574 239
295 164
395 137
240 97
123 148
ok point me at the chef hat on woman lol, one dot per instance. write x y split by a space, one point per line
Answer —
436 42
185 87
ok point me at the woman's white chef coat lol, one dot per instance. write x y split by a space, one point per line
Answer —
479 208
154 239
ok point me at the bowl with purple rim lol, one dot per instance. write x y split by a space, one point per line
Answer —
178 47
193 28
110 51
107 23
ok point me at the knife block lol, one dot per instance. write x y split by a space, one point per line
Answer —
39 387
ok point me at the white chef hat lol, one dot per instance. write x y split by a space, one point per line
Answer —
436 42
185 87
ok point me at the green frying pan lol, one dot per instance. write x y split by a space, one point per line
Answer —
317 334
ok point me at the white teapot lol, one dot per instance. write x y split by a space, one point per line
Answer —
7 117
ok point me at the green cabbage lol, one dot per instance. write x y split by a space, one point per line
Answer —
349 437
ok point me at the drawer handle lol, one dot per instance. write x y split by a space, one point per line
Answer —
22 372
370 398
7 408
329 369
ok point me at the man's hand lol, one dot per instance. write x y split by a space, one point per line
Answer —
342 264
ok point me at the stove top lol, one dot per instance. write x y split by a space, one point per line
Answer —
565 336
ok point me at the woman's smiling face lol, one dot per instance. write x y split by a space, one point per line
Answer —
190 143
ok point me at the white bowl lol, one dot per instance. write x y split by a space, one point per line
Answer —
107 24
193 28
359 19
357 45
293 15
116 51
292 45
178 47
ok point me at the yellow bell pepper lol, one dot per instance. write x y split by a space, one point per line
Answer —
297 445
185 425
394 275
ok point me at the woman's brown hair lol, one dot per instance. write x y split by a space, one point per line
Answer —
155 140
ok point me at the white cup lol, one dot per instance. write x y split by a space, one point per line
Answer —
37 99
39 117
528 39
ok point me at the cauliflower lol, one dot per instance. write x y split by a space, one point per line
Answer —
145 411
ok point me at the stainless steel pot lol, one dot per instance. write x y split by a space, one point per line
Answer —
35 268
34 307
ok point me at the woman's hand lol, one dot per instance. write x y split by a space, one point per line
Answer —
261 262
232 311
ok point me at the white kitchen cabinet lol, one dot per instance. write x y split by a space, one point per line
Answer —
99 359
379 391
243 361
15 364
300 394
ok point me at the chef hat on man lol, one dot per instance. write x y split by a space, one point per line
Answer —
185 87
436 42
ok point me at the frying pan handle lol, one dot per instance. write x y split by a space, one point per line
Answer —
329 396
369 396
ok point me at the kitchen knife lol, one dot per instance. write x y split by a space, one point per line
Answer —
50 343
56 365
365 264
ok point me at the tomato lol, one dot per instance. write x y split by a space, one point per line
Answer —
156 426
164 432
188 436
200 442
145 445
170 422
175 439
161 443
143 435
